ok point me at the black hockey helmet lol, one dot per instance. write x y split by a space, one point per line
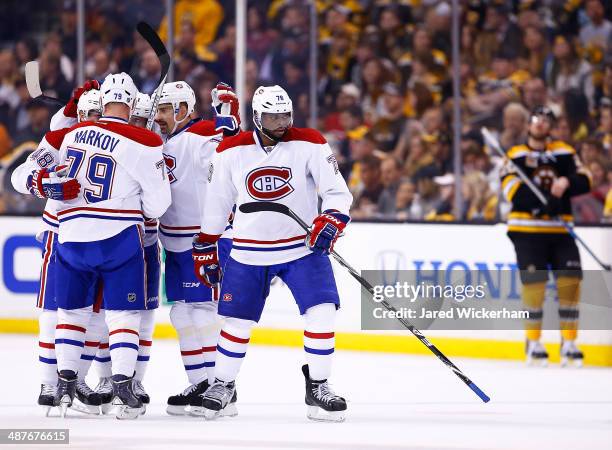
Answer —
543 111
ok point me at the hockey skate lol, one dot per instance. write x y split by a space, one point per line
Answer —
570 354
46 397
66 390
323 404
125 403
140 392
219 400
105 390
86 400
536 353
198 409
178 404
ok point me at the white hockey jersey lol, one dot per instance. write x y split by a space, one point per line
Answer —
45 155
122 175
187 154
61 120
297 171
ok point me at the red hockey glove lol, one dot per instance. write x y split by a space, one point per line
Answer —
70 110
206 259
226 109
325 230
53 183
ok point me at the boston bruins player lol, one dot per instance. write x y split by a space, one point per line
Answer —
540 240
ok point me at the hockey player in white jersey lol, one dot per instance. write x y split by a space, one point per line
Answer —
293 166
104 389
36 176
121 171
190 143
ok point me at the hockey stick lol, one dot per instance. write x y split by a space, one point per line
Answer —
493 143
253 207
149 34
32 79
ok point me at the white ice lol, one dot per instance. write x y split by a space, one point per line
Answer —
395 402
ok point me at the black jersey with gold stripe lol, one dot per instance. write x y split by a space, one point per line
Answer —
559 159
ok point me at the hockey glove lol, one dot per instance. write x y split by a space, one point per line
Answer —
53 183
226 109
551 209
206 259
70 110
325 230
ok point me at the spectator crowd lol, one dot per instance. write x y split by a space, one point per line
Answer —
384 88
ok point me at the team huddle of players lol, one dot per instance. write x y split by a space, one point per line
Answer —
115 190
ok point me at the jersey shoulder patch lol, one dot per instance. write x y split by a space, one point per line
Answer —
56 137
141 135
560 147
203 128
517 151
304 134
242 138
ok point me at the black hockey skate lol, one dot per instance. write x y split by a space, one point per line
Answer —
217 399
536 353
197 407
66 390
140 392
105 390
178 404
570 354
127 405
47 397
86 400
323 404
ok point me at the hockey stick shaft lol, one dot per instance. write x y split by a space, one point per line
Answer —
494 144
153 39
441 356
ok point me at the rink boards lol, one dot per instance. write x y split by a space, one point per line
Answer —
366 246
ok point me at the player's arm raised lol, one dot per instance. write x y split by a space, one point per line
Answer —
40 174
336 200
220 198
68 116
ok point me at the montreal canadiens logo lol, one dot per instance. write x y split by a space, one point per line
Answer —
269 183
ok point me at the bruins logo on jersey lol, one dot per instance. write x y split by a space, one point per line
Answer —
544 176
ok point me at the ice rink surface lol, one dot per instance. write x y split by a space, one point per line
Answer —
395 402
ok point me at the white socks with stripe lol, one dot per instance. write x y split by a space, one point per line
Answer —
103 359
181 316
123 340
231 347
208 326
147 324
70 337
46 346
95 328
319 339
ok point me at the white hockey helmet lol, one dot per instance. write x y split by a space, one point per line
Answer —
119 88
176 93
89 101
143 106
273 100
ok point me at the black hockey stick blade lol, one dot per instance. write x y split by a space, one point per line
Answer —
151 36
253 207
